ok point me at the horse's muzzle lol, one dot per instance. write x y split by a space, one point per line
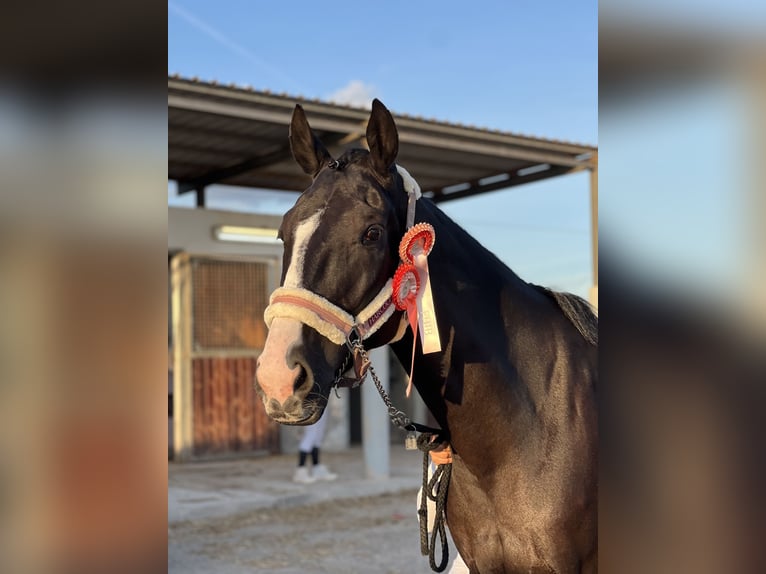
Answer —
293 409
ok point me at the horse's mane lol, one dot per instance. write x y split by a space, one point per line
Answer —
578 311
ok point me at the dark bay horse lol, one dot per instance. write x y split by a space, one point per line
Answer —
513 386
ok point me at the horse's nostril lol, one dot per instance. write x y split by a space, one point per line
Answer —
301 378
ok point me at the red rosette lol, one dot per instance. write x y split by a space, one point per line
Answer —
422 232
405 286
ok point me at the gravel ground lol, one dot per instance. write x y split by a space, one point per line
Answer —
376 534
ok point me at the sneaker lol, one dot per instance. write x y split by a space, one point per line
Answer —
303 476
321 472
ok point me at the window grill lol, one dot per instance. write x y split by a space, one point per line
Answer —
228 300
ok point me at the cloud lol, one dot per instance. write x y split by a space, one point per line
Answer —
355 93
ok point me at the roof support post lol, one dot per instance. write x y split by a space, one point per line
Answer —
201 196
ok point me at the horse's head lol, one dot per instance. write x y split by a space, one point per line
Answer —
340 252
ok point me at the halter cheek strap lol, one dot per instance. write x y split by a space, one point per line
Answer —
328 319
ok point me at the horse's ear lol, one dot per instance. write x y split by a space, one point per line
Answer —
307 150
382 138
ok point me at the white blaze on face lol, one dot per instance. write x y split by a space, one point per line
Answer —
303 233
274 375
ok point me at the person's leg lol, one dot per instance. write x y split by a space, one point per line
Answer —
308 440
305 447
320 471
315 456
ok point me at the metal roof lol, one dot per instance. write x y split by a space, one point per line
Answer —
239 136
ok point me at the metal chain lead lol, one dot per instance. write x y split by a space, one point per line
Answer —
398 418
346 364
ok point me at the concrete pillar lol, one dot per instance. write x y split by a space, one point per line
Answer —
376 426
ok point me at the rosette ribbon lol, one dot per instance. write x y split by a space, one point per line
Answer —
412 290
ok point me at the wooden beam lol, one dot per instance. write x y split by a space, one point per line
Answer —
488 148
183 431
218 175
514 179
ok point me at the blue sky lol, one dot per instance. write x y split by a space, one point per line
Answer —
526 67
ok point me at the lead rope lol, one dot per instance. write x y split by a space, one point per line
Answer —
436 490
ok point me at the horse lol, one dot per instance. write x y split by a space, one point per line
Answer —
513 386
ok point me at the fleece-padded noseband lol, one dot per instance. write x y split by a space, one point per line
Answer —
328 319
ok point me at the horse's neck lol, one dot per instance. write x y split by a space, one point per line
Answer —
476 297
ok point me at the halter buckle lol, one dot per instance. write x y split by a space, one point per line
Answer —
353 339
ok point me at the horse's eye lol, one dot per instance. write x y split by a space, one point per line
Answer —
372 234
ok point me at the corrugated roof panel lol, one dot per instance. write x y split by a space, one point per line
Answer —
240 136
